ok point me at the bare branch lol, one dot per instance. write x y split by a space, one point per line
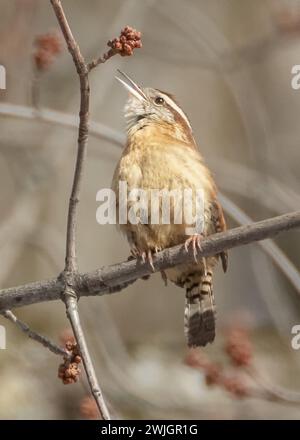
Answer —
240 351
273 392
71 263
69 274
72 311
70 40
67 120
101 131
102 59
35 336
112 278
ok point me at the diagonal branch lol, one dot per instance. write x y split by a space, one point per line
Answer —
34 335
100 60
273 392
112 278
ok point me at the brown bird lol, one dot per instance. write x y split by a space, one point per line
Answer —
161 154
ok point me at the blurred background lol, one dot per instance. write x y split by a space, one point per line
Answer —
229 65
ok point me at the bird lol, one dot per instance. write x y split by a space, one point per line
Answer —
161 154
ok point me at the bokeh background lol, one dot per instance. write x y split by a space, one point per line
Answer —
229 65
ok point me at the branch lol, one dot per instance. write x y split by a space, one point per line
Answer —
67 120
100 60
72 312
101 131
128 40
112 278
71 262
35 336
69 274
273 392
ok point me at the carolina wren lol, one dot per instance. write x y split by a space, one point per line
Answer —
161 153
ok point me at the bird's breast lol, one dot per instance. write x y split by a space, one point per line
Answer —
155 165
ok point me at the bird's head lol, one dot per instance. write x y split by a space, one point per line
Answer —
148 106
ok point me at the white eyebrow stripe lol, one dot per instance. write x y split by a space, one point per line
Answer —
176 108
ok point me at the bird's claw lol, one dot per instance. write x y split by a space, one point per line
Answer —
195 240
144 256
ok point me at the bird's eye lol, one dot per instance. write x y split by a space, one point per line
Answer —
159 100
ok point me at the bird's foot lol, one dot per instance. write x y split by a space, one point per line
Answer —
130 258
145 256
195 241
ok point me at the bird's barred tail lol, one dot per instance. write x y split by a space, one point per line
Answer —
199 314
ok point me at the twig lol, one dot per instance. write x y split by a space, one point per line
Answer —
271 391
100 60
108 279
70 272
34 335
67 120
269 247
55 117
128 41
240 351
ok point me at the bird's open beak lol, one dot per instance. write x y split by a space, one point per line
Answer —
131 86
